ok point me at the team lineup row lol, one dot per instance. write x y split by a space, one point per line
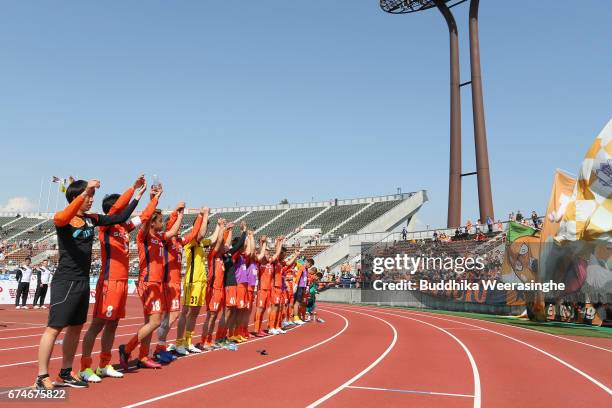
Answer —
228 275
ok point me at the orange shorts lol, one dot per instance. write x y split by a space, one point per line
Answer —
172 292
241 296
110 299
152 297
277 296
231 299
214 299
263 298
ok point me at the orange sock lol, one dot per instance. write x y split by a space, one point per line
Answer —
258 316
105 359
272 319
144 352
85 363
132 344
278 320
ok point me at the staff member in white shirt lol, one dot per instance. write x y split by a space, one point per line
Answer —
43 275
24 274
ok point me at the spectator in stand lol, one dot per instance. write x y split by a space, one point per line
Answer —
435 236
519 216
511 217
534 218
43 278
478 224
23 275
500 226
468 226
489 224
404 234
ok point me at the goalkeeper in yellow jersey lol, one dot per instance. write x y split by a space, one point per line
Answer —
194 287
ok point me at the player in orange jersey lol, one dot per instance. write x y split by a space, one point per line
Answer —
241 267
301 293
281 266
112 288
264 284
151 248
288 300
215 294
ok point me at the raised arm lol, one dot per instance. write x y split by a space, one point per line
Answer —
171 220
293 257
176 228
195 231
204 212
263 243
119 218
147 213
62 218
125 198
215 235
250 244
238 245
220 239
279 247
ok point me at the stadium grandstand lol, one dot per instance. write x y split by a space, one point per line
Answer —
321 229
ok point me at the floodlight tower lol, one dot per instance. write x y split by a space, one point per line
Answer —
482 160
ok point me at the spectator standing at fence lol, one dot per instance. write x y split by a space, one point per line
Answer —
534 218
43 277
490 224
404 233
24 274
519 216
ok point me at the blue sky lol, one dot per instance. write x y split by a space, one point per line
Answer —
251 102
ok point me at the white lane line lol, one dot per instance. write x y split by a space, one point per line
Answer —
38 335
248 370
183 357
365 370
475 373
517 327
97 338
43 326
29 324
410 391
559 360
546 353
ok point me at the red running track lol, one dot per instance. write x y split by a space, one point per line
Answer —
360 356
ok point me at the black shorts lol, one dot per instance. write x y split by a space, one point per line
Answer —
69 303
299 294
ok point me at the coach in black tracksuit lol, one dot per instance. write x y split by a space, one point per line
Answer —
23 275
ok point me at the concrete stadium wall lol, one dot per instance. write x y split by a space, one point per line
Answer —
341 250
412 299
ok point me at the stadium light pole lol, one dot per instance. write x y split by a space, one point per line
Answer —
454 181
485 196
